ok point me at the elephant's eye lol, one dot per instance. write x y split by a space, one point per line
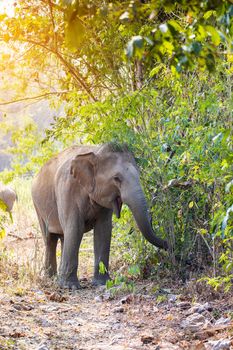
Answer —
117 179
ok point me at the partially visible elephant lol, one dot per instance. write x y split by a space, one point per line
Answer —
78 190
8 196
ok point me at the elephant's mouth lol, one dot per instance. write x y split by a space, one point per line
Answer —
117 204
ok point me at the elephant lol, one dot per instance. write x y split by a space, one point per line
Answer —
79 190
8 196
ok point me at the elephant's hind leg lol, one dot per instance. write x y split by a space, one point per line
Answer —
50 254
50 241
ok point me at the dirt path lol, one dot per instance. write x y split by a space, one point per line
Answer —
40 317
88 320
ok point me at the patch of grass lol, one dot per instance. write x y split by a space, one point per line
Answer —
21 253
22 249
6 344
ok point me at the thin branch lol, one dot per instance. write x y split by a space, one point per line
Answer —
71 69
56 6
35 97
21 56
53 23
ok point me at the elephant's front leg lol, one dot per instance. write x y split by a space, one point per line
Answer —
102 242
73 234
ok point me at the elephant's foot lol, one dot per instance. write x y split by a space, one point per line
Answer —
100 280
72 284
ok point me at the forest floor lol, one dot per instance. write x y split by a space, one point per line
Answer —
46 319
37 315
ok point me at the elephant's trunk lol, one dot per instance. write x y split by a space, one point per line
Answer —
137 204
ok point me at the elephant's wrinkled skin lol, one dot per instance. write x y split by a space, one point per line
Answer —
79 190
8 196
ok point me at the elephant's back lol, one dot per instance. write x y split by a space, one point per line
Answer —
52 165
71 152
43 185
7 195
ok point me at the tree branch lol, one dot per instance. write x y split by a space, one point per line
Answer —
71 69
53 23
35 97
56 6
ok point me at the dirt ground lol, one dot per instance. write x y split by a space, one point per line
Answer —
91 319
40 316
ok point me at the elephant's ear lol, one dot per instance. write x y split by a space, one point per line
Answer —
83 169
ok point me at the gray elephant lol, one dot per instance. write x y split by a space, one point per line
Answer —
8 196
78 190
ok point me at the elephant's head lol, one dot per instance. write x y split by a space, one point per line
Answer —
111 179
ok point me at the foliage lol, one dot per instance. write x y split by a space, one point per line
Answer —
156 75
218 282
27 148
68 45
3 209
120 284
185 35
102 268
184 151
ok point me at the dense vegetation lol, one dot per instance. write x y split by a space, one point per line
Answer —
156 75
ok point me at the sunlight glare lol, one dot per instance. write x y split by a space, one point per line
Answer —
7 6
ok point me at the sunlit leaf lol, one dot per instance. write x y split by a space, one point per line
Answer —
163 28
217 137
3 205
203 231
226 218
156 70
191 204
102 268
216 39
125 17
148 40
228 186
67 2
208 14
175 25
74 33
134 270
2 233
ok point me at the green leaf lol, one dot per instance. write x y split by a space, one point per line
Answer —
149 41
215 36
134 45
191 204
210 62
203 231
208 14
102 268
134 270
3 205
138 41
202 33
2 233
74 33
196 47
156 69
230 11
217 137
176 27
